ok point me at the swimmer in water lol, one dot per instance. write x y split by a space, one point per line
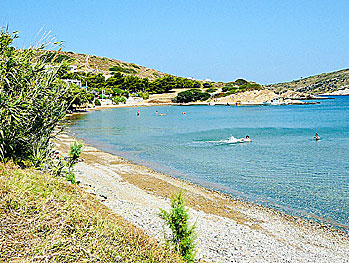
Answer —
316 137
156 112
247 139
137 113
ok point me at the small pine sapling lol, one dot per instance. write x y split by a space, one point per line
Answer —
183 235
74 154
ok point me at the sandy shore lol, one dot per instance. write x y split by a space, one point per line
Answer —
228 230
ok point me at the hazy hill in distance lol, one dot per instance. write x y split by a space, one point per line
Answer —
322 83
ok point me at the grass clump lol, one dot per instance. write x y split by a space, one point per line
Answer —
183 235
44 218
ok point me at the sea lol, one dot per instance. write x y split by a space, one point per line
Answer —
283 167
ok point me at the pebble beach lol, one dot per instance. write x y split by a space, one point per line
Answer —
228 230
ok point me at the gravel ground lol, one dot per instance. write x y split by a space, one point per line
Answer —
267 235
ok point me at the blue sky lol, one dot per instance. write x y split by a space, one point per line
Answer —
263 41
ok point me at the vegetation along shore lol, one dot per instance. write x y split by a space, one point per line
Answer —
61 201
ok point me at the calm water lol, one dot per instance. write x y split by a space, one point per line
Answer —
283 167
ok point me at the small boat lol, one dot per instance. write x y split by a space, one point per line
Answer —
273 102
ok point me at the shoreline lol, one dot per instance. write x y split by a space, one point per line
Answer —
292 101
137 193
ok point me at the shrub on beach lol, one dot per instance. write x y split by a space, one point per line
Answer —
32 103
118 100
191 95
183 235
74 154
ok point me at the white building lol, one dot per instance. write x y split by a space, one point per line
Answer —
73 81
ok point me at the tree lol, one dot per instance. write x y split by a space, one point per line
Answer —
191 95
207 85
77 96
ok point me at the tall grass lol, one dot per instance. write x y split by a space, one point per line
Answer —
32 103
45 219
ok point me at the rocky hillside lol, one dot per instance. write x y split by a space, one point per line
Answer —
323 83
91 63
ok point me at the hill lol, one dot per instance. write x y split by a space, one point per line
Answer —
318 84
106 66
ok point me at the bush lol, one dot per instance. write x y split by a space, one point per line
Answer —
134 65
32 102
240 82
229 88
211 90
183 236
143 95
207 85
98 102
74 154
118 100
191 95
122 69
220 95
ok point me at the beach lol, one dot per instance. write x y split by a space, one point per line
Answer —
228 230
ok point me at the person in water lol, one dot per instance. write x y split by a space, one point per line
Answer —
137 113
316 137
247 139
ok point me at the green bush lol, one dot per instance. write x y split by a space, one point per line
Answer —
32 103
122 69
134 65
98 102
229 88
220 95
143 95
207 85
183 235
118 100
74 154
240 82
191 95
211 90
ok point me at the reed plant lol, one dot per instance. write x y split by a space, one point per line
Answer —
32 104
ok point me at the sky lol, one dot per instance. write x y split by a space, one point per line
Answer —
258 40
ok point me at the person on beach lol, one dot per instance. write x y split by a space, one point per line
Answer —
316 137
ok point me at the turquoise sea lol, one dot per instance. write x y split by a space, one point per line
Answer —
283 168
